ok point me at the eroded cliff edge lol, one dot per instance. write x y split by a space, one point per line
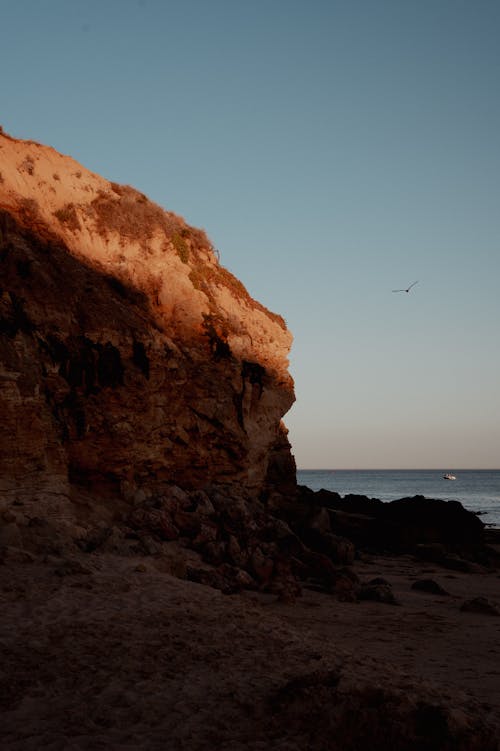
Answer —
131 359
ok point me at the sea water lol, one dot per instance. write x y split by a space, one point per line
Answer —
477 490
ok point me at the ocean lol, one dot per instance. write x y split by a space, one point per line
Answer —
477 490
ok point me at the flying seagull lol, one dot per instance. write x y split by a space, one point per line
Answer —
407 289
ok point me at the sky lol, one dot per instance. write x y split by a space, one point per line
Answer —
333 150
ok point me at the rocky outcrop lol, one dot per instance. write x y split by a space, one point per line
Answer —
436 530
131 361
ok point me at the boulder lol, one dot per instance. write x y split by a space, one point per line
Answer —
442 531
377 593
430 586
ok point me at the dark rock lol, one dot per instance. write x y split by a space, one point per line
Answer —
311 523
339 549
479 605
422 520
95 539
377 593
408 525
429 585
187 523
456 563
214 552
228 579
72 568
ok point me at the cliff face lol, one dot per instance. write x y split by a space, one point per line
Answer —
130 359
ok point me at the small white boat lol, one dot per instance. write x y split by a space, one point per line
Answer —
449 476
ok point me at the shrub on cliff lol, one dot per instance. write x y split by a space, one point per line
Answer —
67 215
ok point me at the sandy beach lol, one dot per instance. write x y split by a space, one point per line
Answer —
107 652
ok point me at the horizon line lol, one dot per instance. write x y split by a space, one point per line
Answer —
396 469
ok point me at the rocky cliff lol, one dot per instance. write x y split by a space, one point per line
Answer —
131 360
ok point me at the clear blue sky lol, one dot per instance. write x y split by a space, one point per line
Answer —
333 151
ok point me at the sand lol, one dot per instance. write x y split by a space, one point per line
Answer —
104 652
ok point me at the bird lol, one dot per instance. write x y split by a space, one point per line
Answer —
407 289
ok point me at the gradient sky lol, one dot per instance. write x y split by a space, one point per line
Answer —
333 151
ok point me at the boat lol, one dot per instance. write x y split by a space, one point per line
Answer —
449 476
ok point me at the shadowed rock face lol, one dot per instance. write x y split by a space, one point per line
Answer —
130 360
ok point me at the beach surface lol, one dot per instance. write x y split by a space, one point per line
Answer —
108 652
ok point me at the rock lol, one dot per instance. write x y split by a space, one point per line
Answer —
119 541
166 529
429 585
243 580
165 388
95 538
187 523
339 549
228 579
149 546
377 593
262 566
320 521
234 550
214 552
479 605
443 531
172 560
72 567
207 534
456 563
344 585
422 520
202 503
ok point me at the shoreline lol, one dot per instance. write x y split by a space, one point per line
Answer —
477 490
100 650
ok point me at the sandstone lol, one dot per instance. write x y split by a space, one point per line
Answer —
166 379
142 391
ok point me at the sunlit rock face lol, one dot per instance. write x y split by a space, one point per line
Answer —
130 359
